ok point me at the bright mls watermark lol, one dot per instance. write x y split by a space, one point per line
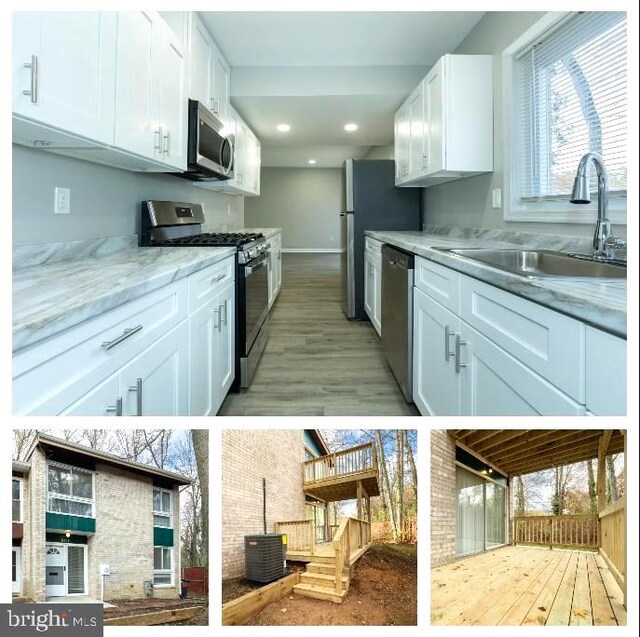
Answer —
52 619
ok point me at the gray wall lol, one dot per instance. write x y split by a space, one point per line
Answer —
380 152
304 202
105 201
467 202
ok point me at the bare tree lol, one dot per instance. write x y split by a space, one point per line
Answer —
591 482
386 487
157 445
22 441
521 506
612 480
412 466
200 440
400 480
131 444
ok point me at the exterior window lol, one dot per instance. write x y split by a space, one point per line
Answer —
70 490
16 500
569 97
162 508
162 569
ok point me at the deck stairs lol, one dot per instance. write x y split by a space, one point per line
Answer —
319 580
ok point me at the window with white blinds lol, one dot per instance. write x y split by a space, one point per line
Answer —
570 89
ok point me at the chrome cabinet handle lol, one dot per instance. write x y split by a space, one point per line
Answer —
130 331
218 278
166 138
117 408
137 388
459 343
158 143
33 92
447 349
217 315
216 107
212 101
225 311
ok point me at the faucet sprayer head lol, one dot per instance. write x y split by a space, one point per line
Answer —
580 192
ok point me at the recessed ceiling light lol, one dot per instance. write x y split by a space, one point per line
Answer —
312 161
283 128
350 127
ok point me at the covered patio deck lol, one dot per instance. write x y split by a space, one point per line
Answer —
518 585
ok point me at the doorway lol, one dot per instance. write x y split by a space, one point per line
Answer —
16 570
66 570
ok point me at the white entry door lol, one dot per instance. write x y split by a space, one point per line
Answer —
65 570
16 570
56 567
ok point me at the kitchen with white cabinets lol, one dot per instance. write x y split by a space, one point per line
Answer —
256 126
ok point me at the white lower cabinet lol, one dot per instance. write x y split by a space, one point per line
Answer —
606 373
212 353
373 283
168 353
275 268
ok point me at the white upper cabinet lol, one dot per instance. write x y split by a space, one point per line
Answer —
444 130
150 89
209 74
64 71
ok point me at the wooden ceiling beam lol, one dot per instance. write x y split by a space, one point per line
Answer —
533 436
501 438
471 437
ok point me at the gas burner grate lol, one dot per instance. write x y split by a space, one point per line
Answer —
214 239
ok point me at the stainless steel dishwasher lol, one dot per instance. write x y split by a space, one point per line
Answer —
397 315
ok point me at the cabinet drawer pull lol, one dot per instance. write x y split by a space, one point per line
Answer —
117 408
217 315
158 142
130 331
447 349
218 278
33 92
225 312
137 388
166 138
459 343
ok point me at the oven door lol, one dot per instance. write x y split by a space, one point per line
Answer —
256 298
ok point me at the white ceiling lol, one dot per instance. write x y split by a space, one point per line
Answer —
319 70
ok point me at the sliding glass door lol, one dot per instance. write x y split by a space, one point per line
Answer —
480 513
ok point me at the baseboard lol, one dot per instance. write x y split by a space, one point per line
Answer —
312 250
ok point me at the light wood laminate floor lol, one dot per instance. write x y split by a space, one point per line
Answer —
317 363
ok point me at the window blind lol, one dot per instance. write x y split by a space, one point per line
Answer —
571 98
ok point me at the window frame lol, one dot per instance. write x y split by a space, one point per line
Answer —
551 210
20 482
163 514
72 498
163 571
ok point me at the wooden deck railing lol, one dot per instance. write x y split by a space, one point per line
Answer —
301 534
557 530
352 535
613 540
341 463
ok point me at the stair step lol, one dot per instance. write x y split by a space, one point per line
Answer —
319 592
320 579
328 569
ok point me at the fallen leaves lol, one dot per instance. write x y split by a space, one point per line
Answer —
542 608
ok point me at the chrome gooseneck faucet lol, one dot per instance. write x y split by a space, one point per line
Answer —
603 241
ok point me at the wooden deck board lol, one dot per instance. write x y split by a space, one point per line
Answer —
524 585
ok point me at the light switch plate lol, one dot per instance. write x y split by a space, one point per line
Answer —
496 197
62 201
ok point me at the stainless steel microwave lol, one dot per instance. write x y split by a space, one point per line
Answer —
209 146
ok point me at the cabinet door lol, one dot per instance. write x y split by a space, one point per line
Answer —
369 298
137 125
221 85
402 144
377 297
102 400
225 344
156 383
606 375
436 387
203 325
170 81
201 56
417 158
279 266
70 77
493 383
434 133
240 154
271 277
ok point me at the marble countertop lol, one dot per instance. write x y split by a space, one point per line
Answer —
600 303
267 232
53 296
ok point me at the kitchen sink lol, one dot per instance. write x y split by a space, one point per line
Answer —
543 263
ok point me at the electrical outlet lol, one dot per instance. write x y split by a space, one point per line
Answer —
62 201
496 197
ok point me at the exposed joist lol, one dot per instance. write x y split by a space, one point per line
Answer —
531 440
490 444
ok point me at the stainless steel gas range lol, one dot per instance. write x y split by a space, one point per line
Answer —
177 224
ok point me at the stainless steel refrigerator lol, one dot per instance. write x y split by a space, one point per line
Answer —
370 201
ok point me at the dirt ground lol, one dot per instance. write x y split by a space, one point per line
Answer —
383 592
233 588
130 607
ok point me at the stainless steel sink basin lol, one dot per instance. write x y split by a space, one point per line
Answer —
542 263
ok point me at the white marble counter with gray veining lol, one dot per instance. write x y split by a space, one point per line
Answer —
58 286
600 303
267 232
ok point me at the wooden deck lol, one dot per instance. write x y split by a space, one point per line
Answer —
518 585
325 551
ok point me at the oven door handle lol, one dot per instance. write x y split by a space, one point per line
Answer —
254 267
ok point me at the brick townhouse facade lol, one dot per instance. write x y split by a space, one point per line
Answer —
248 457
469 502
87 523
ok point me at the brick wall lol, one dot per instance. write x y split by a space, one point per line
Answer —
247 457
34 541
25 563
443 498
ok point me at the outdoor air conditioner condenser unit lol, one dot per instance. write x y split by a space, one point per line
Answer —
264 557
